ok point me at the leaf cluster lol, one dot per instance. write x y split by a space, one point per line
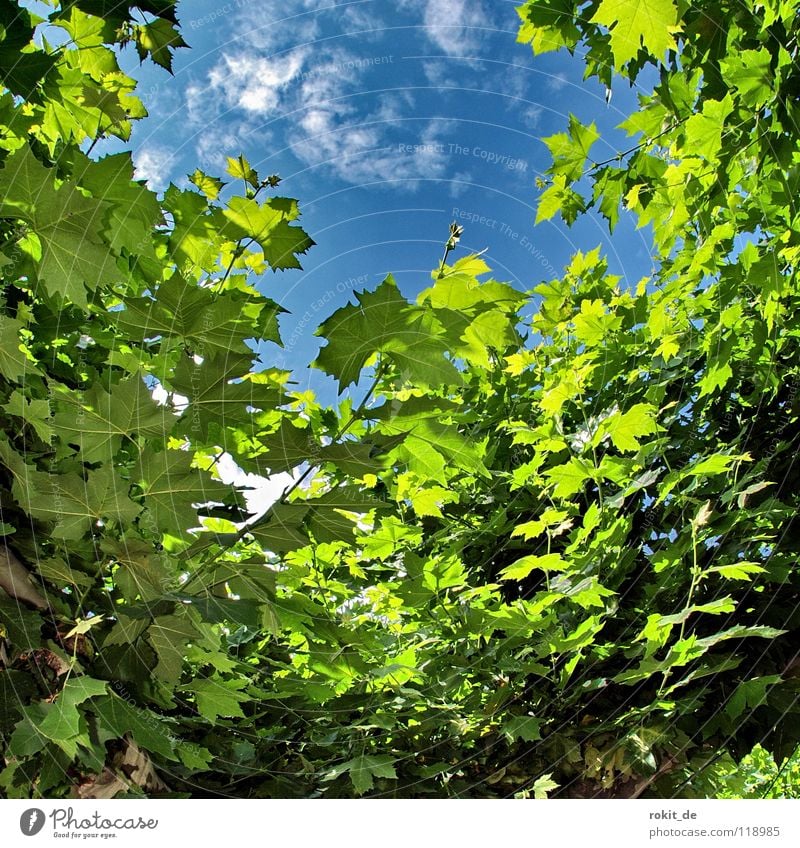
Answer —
552 549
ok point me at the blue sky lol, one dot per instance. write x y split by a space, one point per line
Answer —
386 120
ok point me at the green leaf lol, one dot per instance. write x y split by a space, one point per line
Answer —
430 500
443 573
133 209
74 504
22 627
364 769
27 739
34 412
750 694
428 440
14 364
169 635
195 240
548 26
550 517
172 487
750 73
141 573
61 721
21 71
355 458
736 571
570 150
593 323
522 727
119 714
284 529
284 449
207 324
84 625
240 168
210 186
97 421
383 321
215 399
543 786
704 131
67 223
520 569
638 23
196 758
740 631
716 377
569 478
559 198
217 699
158 39
268 225
228 611
626 428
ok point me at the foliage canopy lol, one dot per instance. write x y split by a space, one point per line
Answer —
557 554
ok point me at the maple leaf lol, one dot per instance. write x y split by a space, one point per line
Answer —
570 150
97 420
133 210
158 39
14 364
637 23
216 698
268 225
625 428
214 399
75 504
172 487
384 321
67 224
183 310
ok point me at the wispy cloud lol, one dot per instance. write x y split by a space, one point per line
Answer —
250 27
153 163
531 116
315 96
251 82
456 26
334 131
444 74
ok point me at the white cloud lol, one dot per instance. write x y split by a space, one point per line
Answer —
255 84
218 141
363 151
460 183
321 113
153 163
456 26
443 74
531 116
364 21
316 97
252 29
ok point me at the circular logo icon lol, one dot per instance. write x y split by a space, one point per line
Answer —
31 821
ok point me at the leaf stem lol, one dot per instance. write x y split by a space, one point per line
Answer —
689 598
645 143
456 231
